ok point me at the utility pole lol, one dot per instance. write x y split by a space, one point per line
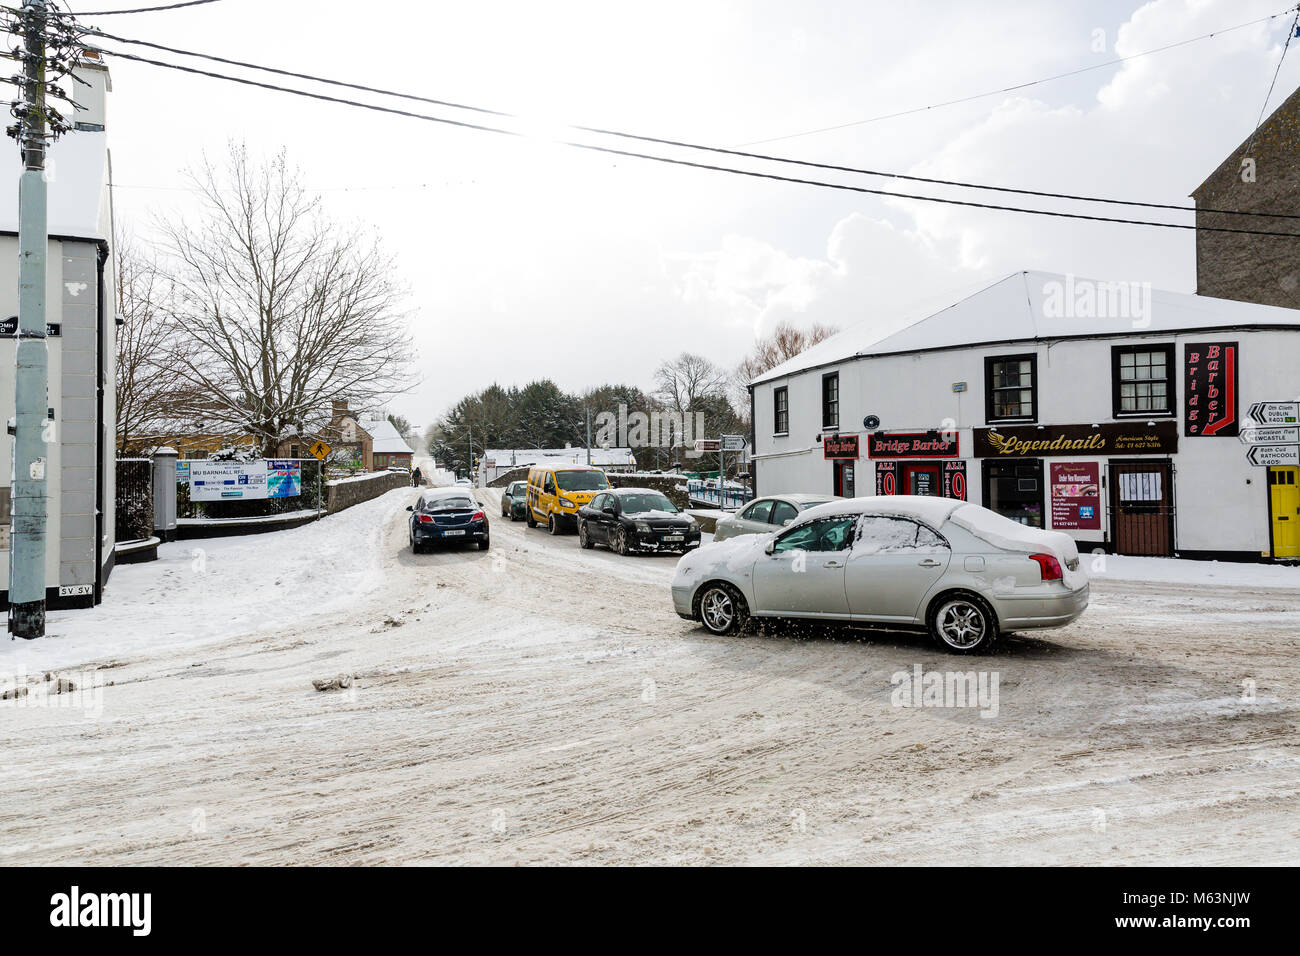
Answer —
588 411
27 522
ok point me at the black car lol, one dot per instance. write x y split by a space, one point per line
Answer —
636 519
514 500
450 516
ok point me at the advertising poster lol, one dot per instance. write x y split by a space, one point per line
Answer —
227 480
1076 495
283 478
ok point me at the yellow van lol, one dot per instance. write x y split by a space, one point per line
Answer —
556 492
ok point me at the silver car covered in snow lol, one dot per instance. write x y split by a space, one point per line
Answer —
770 513
962 572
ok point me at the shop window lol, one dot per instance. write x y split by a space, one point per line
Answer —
781 410
1014 489
831 400
1142 380
1011 383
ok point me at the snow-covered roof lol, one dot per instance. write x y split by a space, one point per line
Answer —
1038 306
77 173
518 457
386 440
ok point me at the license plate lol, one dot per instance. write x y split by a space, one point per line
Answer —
448 534
674 537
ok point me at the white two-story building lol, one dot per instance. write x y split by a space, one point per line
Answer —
1109 411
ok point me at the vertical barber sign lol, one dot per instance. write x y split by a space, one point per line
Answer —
1210 389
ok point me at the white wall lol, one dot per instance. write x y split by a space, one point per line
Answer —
1217 509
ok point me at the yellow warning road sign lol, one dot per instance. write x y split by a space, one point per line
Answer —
319 450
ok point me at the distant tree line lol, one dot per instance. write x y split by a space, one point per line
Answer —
542 415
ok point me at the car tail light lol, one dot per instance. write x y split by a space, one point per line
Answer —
424 519
479 516
1048 566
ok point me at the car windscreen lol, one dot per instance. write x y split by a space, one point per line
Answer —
451 503
581 480
641 503
516 488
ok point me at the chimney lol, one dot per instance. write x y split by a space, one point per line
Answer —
92 97
339 407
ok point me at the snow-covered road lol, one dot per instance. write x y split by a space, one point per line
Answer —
537 702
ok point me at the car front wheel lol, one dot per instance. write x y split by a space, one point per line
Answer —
552 526
722 609
962 625
619 544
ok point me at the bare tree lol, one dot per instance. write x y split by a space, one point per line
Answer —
682 383
147 391
279 310
782 344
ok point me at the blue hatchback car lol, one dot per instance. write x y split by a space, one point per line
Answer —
447 516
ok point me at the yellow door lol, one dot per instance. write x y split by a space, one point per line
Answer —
1284 504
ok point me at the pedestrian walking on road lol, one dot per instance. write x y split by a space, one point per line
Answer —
416 478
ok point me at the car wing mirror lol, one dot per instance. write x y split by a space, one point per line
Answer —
770 548
410 507
786 522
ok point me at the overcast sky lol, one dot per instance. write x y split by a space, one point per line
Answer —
527 260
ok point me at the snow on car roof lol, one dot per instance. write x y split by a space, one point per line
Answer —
931 511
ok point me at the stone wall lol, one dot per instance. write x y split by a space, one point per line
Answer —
345 494
1243 267
514 474
665 483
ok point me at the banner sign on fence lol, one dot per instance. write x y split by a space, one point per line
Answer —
283 478
243 480
227 480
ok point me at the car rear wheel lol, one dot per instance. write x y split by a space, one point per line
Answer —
483 545
584 536
962 624
618 544
722 609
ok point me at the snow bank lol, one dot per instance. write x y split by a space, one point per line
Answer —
218 588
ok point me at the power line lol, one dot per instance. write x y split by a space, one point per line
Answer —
831 167
609 150
1268 96
1018 86
170 6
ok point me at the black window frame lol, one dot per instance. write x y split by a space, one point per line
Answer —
779 409
990 405
1170 380
827 379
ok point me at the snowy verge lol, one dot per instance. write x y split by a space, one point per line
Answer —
219 588
1185 571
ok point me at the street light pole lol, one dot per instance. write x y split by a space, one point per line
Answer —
28 518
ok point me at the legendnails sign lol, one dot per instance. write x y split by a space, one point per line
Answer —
1119 438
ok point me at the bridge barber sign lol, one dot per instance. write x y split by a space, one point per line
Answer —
840 447
1210 389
